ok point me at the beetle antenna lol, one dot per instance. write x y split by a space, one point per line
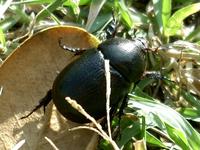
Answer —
42 103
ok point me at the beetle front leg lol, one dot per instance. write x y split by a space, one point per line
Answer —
42 103
154 75
76 51
121 108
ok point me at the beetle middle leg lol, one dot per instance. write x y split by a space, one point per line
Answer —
76 51
116 132
42 103
121 110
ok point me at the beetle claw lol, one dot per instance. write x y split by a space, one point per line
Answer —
43 102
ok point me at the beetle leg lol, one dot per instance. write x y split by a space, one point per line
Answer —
42 103
155 75
76 51
116 132
122 106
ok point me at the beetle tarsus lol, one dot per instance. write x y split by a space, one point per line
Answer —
42 103
155 75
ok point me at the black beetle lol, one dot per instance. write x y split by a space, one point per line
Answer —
84 79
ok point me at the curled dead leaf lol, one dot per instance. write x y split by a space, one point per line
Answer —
25 77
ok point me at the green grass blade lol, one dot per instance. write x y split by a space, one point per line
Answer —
2 41
74 5
177 136
194 35
190 113
166 11
165 114
152 140
33 2
175 22
162 11
125 14
101 22
130 131
50 8
9 22
195 102
95 8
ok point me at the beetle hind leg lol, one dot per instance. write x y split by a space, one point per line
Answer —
42 103
122 106
76 51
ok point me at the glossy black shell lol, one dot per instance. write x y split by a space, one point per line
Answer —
84 79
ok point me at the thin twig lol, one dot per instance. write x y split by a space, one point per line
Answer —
51 143
78 107
1 90
19 145
108 92
89 128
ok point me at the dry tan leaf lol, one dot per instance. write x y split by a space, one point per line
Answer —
25 77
